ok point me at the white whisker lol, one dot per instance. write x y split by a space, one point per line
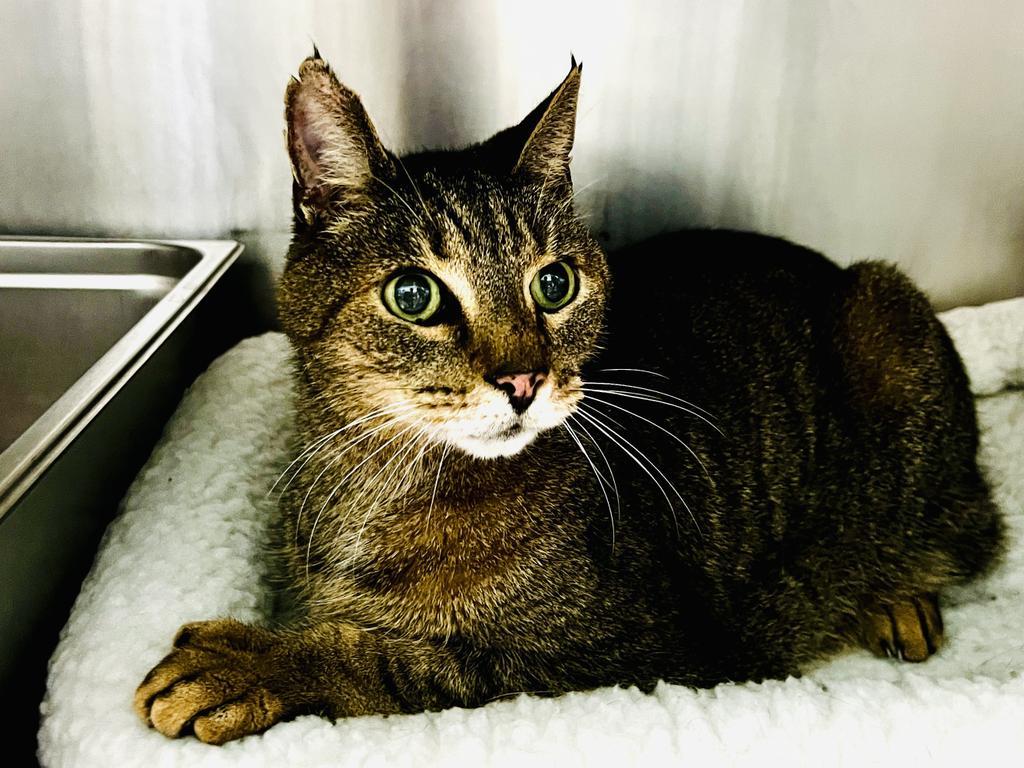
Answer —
437 480
605 431
401 198
319 443
652 399
604 456
592 399
349 445
635 370
429 442
348 474
382 487
314 447
600 481
416 189
653 392
422 437
593 417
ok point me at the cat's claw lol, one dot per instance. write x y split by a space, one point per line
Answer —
218 683
908 630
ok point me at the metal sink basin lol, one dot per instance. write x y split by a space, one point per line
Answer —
74 317
98 340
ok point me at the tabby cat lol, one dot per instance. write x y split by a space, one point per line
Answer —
714 456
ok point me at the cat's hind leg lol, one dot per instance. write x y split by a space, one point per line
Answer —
909 629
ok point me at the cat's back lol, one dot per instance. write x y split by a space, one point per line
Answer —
737 316
693 272
722 305
841 413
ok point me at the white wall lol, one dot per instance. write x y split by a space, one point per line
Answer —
864 128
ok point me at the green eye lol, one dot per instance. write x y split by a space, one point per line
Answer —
412 296
554 286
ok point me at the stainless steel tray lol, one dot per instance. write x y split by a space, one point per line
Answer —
98 340
77 318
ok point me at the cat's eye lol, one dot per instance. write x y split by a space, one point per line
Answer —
554 286
413 296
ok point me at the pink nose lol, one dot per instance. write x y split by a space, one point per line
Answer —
520 387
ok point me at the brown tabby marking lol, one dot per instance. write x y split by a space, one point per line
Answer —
762 460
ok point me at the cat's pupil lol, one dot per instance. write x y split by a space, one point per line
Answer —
412 294
554 283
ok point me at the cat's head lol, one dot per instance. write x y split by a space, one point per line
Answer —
455 292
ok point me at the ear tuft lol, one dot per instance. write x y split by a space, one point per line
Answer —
332 144
547 151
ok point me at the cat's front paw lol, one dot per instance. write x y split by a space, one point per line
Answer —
222 681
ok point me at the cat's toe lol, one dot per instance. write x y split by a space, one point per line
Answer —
910 630
909 633
931 620
187 683
217 683
255 712
175 709
876 632
174 669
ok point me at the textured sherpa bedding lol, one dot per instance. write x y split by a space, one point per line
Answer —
188 546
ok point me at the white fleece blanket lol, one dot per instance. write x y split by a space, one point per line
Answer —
187 546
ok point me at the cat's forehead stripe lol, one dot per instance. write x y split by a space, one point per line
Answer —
500 218
458 234
484 230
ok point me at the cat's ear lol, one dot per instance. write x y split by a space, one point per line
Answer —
334 149
550 129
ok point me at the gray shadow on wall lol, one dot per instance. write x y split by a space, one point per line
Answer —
445 90
632 203
45 170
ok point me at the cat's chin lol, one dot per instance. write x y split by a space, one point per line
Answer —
495 447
